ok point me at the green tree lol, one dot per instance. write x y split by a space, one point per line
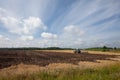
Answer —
105 48
115 48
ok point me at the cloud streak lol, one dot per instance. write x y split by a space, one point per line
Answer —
66 23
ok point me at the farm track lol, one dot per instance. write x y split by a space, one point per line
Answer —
42 58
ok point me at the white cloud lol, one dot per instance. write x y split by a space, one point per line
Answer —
12 24
2 12
48 35
79 42
24 26
91 17
3 38
33 22
21 26
70 37
26 38
73 30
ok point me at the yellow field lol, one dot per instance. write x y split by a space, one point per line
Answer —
27 69
99 52
91 52
66 51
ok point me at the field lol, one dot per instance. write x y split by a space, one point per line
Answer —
43 58
50 63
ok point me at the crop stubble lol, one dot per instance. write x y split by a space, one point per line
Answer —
44 58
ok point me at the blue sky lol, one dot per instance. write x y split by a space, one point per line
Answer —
61 23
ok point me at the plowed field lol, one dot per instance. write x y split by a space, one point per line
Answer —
43 58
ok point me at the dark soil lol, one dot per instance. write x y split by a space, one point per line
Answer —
42 58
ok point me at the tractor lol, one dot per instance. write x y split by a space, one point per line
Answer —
77 51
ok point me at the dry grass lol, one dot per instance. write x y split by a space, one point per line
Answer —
28 69
91 52
111 72
19 69
99 52
64 51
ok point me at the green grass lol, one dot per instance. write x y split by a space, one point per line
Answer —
105 73
104 50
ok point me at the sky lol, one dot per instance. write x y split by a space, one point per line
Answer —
60 23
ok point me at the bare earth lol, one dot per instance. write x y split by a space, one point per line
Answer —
26 61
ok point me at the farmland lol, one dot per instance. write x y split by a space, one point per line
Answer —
43 58
43 62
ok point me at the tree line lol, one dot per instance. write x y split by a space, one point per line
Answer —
104 48
37 48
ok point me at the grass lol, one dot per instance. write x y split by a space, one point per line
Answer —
66 51
106 73
105 50
115 51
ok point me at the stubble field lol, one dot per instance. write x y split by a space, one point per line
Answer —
44 58
14 62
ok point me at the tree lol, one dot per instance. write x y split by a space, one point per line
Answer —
105 48
115 48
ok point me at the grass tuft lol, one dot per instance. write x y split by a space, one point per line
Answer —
106 73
